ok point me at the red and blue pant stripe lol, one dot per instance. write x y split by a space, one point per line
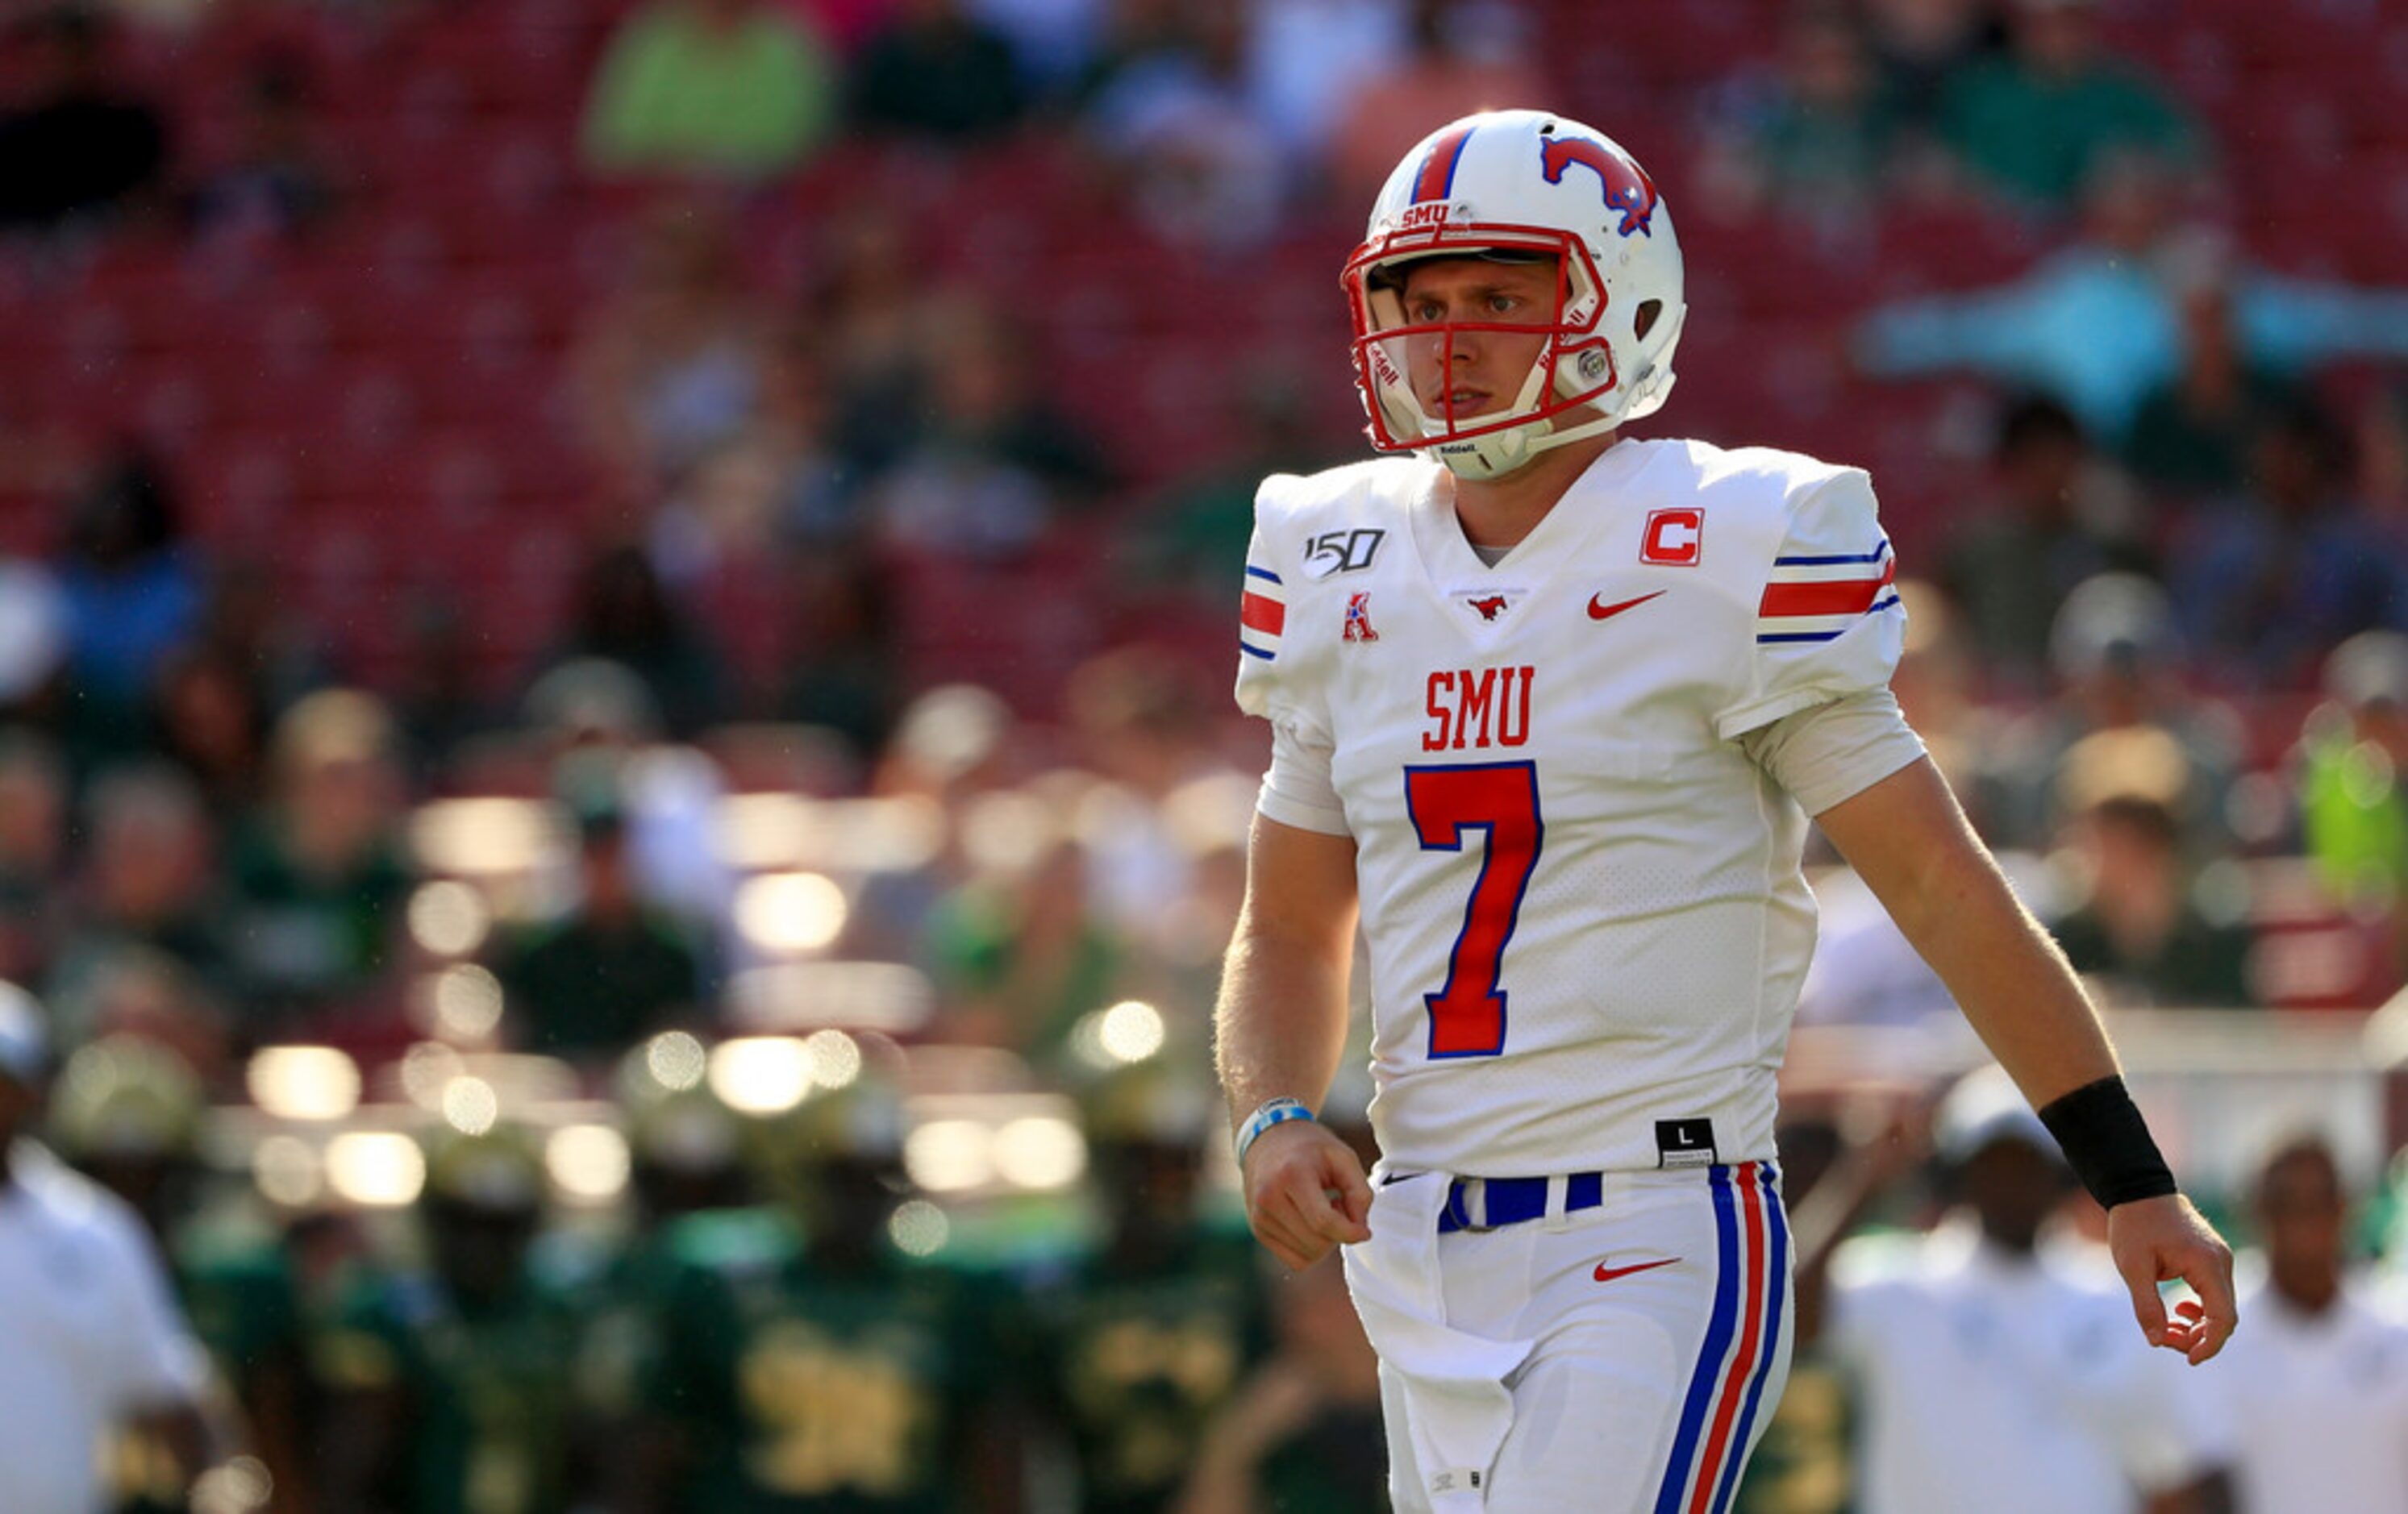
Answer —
1742 1341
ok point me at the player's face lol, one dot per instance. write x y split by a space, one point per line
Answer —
1478 371
2303 1214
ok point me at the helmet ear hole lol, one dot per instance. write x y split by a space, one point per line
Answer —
1644 319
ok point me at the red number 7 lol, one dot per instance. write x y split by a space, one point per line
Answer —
1468 1015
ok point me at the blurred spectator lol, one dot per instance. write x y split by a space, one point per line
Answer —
1307 57
867 317
1147 1334
846 673
1463 56
1999 1369
132 593
1053 41
1921 46
2094 323
1017 952
721 89
449 1382
95 1341
597 722
34 633
1140 720
319 876
74 145
988 397
440 695
249 620
2193 432
2036 121
2120 675
280 180
1133 33
781 480
952 746
2383 456
2318 1392
2353 814
1181 136
2058 518
2140 927
1303 1431
2088 326
34 913
996 464
623 615
672 367
1813 137
150 883
211 720
1194 539
611 970
2272 580
936 70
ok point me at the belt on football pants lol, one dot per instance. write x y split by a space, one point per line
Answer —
1509 1201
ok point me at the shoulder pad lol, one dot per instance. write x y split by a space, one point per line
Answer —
1776 474
1366 493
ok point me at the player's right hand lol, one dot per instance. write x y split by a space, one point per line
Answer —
1305 1193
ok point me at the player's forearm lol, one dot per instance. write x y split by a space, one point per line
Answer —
1281 1024
2013 984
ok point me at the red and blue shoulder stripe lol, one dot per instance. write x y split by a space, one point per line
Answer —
1262 614
1820 598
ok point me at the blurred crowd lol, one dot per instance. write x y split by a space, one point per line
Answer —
665 966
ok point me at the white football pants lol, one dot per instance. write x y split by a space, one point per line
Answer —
1616 1360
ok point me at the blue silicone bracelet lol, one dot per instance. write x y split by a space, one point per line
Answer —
1273 1112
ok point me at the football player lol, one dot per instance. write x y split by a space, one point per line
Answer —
1147 1334
1551 707
450 1384
808 1360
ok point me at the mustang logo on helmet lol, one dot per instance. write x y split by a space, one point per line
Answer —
1625 185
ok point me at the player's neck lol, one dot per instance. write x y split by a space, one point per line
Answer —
1499 512
2311 1290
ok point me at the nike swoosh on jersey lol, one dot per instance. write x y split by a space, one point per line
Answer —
1601 612
1606 1274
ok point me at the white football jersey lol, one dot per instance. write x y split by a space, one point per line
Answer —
1581 901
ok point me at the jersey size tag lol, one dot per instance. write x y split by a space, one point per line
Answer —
1453 1478
1685 1143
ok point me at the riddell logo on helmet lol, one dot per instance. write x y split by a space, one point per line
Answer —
1625 185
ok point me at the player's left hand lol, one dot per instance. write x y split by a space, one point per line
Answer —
2157 1240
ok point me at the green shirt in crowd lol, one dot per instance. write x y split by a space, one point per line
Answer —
676 95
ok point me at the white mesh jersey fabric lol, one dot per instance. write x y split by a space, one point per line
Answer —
1538 761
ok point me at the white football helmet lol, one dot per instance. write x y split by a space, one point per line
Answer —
1521 185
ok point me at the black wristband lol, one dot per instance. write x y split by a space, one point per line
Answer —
2108 1144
